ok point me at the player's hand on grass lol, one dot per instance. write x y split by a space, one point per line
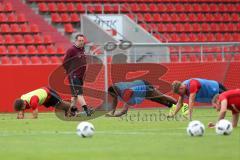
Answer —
110 114
20 115
211 125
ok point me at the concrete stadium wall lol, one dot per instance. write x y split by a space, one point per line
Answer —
17 80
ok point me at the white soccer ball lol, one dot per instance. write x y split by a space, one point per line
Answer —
223 127
85 129
195 128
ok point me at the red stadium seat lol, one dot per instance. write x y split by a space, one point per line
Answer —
12 18
235 17
219 57
22 49
179 27
1 7
28 39
196 27
205 27
210 58
194 58
153 7
8 7
80 8
143 7
55 60
1 39
219 37
75 18
170 7
236 36
5 60
226 17
188 7
60 50
192 17
47 39
51 50
15 60
165 17
161 7
21 18
5 28
205 7
187 27
175 18
9 39
90 9
214 27
15 28
183 17
61 7
3 50
68 28
71 7
98 8
174 58
31 49
35 60
184 58
147 17
201 17
228 57
55 18
45 60
18 39
52 7
108 8
38 39
213 7
24 28
43 7
179 7
3 18
65 18
125 8
12 50
236 57
196 7
134 7
26 60
41 49
156 17
34 28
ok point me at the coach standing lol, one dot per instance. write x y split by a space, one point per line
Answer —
75 65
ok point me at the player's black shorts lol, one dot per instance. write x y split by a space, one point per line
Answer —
53 100
149 86
222 88
76 84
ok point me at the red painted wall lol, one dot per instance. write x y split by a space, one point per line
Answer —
17 80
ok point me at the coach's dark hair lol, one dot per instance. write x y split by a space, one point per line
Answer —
18 105
78 35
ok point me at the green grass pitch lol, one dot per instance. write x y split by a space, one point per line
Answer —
137 136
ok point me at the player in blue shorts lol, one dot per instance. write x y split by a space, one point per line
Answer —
134 93
196 90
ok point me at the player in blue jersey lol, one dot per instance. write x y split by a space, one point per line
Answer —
196 90
134 93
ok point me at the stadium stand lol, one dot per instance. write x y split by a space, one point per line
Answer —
167 20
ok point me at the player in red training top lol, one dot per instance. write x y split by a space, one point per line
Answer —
42 96
229 100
